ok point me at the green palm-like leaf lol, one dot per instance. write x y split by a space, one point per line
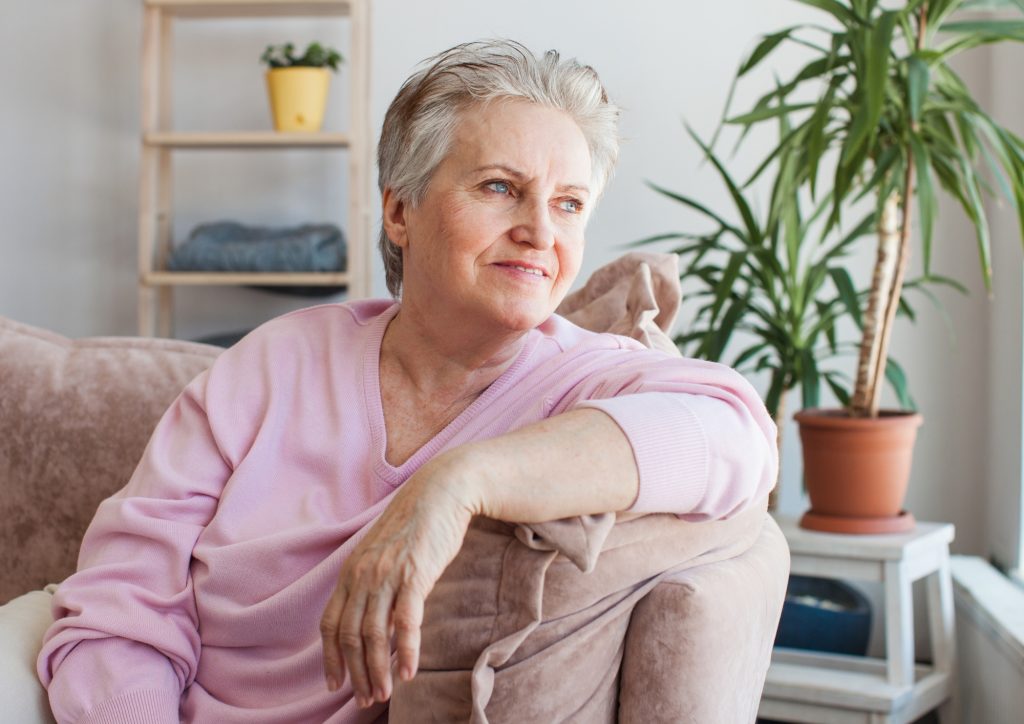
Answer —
763 49
748 353
749 223
847 293
876 75
725 330
1004 29
726 281
775 390
697 206
898 380
838 390
925 196
810 381
918 75
836 9
977 215
763 114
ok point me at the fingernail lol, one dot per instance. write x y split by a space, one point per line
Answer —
378 694
363 702
332 683
406 673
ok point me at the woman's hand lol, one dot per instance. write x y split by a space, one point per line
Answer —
577 463
384 582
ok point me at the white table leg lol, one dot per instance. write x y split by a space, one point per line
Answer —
899 624
943 635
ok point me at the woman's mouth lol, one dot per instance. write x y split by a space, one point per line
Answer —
532 270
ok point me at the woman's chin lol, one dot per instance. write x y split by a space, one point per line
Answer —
523 319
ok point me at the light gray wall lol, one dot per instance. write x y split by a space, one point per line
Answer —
69 118
1004 511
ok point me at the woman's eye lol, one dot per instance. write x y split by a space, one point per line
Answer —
498 187
571 205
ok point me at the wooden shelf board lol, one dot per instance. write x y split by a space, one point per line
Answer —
252 8
169 278
245 139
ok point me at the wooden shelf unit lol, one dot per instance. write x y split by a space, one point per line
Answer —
159 141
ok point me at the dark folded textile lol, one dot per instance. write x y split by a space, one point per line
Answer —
230 246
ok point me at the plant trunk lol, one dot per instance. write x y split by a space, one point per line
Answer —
780 420
893 251
886 282
871 363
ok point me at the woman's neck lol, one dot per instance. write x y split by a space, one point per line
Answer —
450 360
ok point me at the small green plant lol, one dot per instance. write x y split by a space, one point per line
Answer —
316 56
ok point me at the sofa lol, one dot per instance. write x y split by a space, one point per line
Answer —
75 416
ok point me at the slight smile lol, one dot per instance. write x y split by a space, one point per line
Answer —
527 268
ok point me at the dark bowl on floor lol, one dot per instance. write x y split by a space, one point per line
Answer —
821 614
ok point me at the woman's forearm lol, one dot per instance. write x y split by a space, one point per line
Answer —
576 463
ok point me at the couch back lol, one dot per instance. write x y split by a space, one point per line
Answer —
75 416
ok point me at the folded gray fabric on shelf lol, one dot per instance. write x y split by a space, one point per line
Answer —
225 246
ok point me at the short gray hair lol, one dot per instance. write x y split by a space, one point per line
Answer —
421 120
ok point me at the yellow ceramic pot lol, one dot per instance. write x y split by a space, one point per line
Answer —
298 97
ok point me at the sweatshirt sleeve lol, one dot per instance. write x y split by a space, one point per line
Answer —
125 644
704 443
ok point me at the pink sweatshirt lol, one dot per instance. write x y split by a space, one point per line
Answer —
201 584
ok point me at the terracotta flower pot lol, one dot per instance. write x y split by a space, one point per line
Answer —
857 470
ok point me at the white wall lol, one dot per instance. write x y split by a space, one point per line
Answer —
69 118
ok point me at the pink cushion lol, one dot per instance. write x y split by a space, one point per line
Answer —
75 416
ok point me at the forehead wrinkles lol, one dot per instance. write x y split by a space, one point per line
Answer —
536 145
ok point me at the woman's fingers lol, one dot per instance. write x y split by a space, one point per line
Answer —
384 581
355 636
350 639
376 642
330 622
407 620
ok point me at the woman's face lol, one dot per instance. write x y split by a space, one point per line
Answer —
498 237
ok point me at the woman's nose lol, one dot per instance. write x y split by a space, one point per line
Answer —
533 224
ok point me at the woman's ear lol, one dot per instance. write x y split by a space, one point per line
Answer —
394 218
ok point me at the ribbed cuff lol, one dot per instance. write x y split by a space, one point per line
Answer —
670 447
152 706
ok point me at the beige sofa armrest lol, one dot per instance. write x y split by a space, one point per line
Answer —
515 631
699 645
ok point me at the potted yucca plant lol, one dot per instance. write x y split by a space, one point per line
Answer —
771 292
297 84
879 100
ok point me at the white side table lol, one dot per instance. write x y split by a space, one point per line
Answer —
812 687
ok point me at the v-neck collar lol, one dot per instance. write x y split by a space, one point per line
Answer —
375 409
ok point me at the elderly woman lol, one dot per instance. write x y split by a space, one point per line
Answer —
299 500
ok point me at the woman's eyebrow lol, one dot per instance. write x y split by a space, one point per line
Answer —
575 188
519 176
507 170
